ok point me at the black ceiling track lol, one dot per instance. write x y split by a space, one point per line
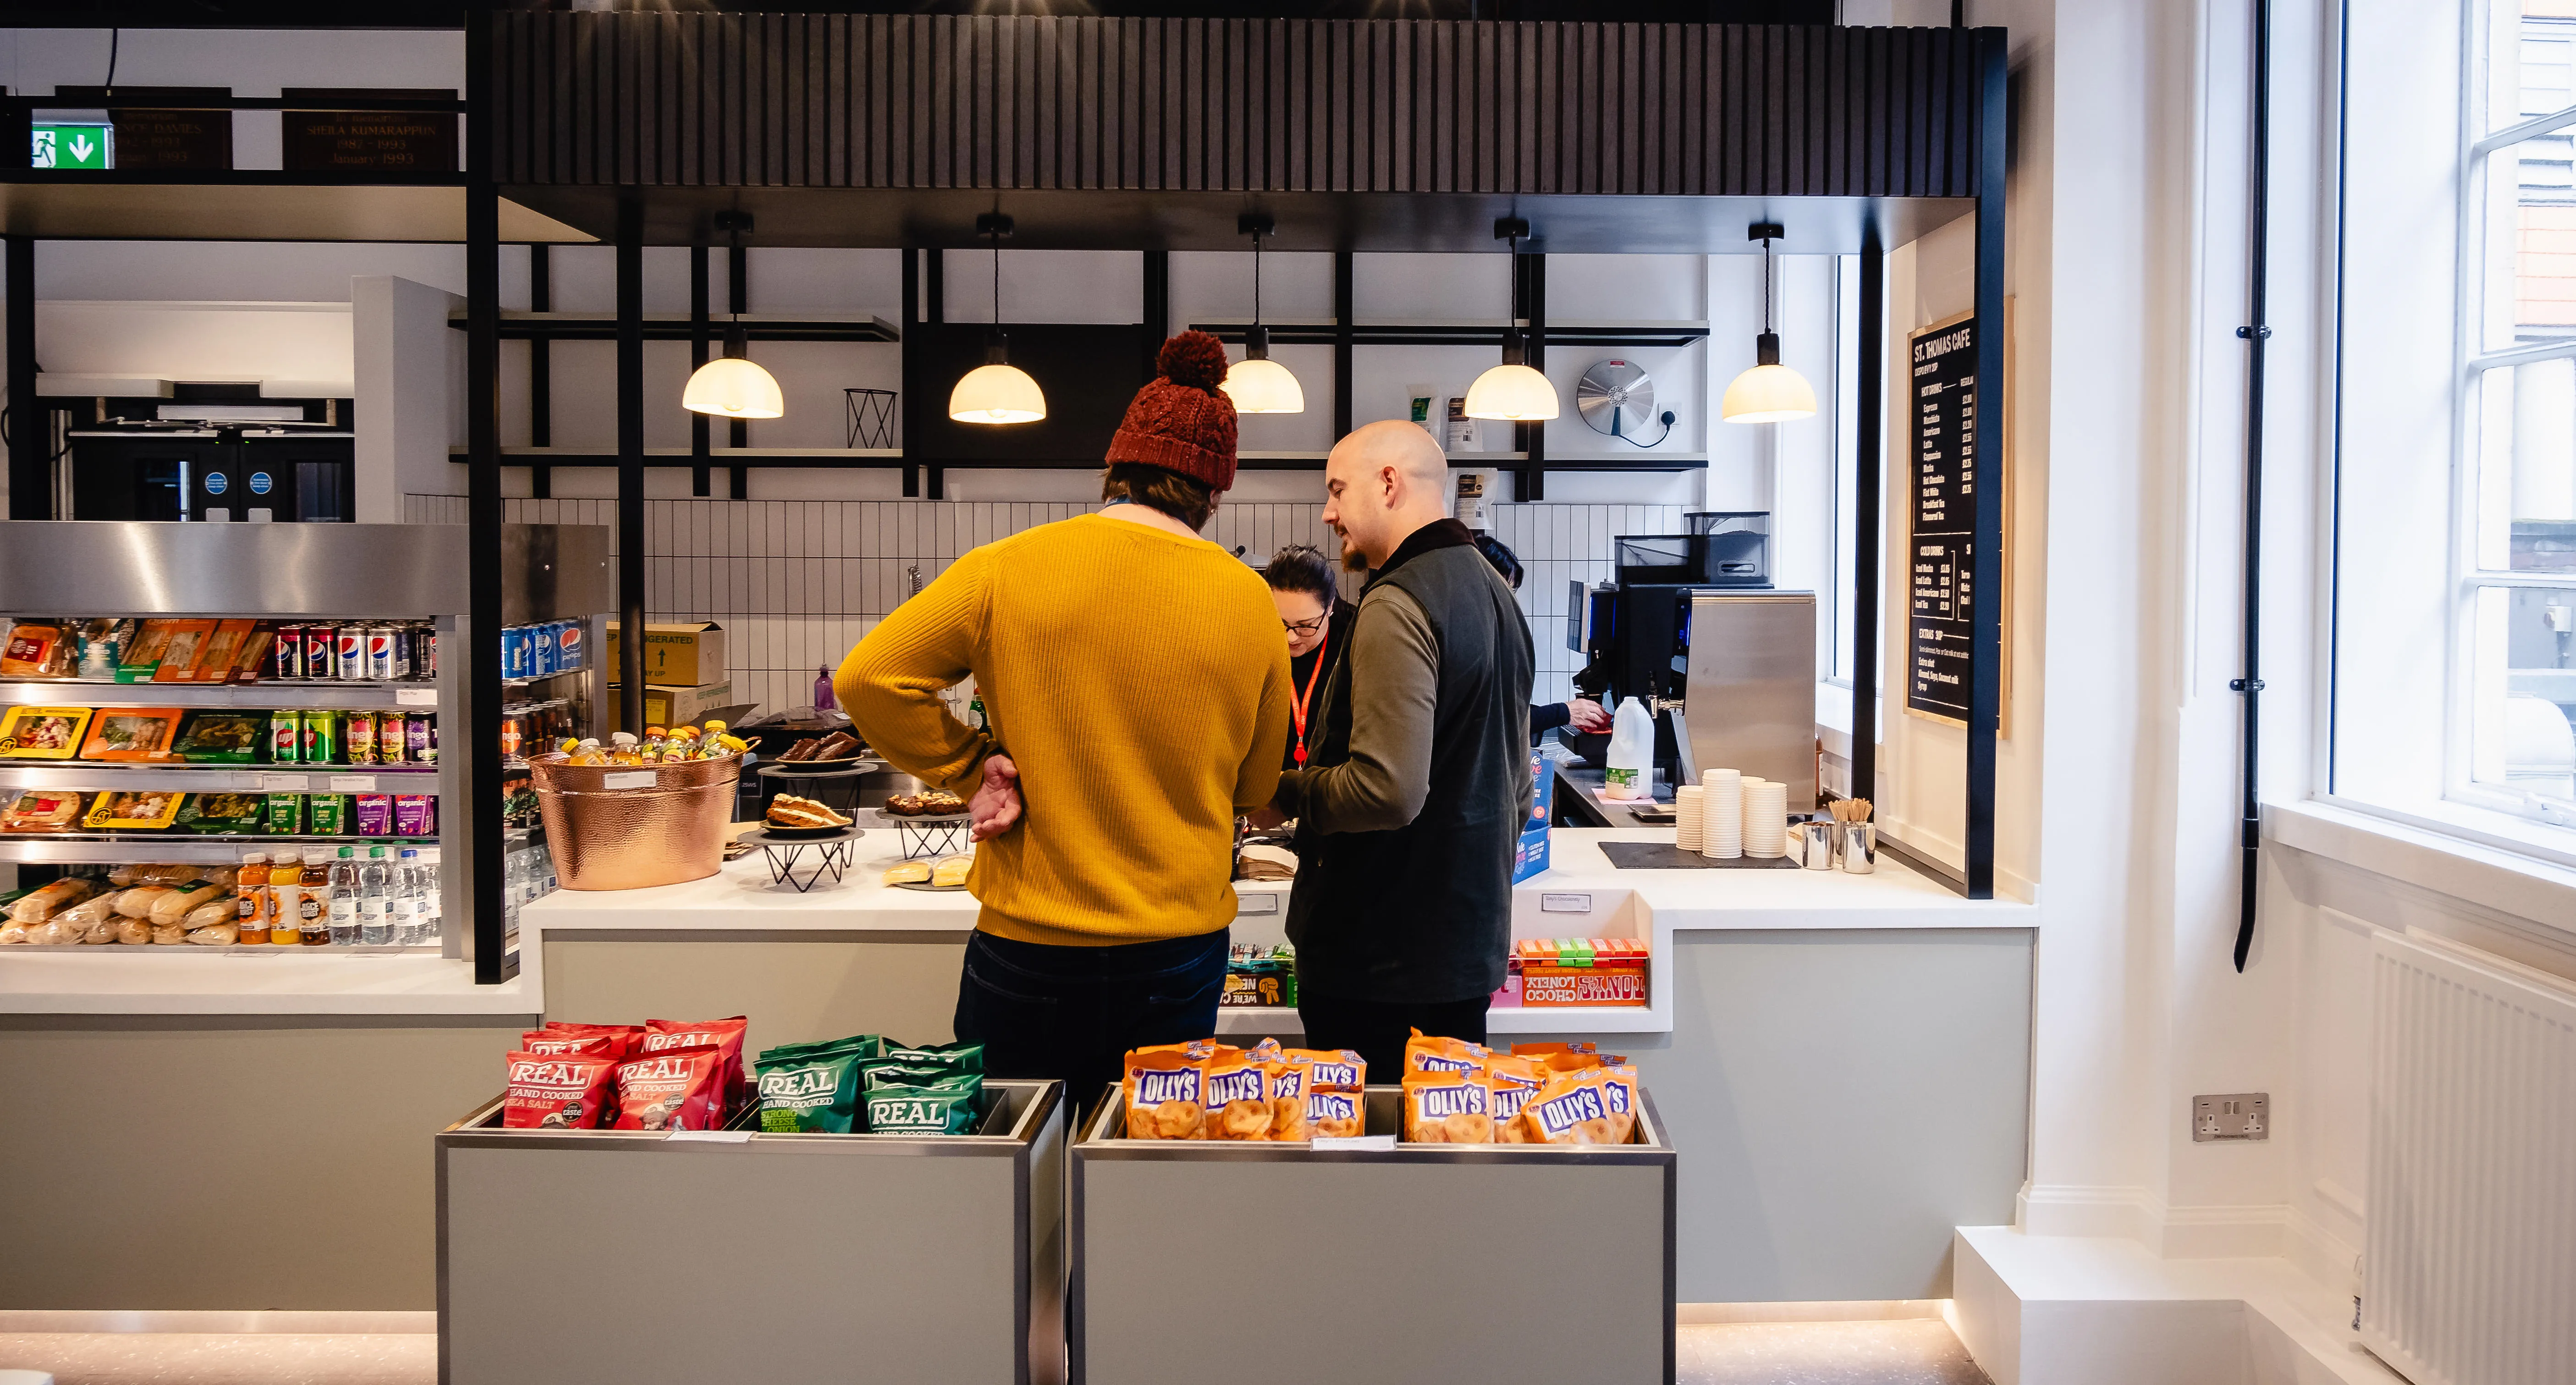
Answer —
949 102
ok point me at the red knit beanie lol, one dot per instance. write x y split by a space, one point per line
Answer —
1182 422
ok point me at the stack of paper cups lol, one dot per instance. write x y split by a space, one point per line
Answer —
1686 816
1721 831
1766 818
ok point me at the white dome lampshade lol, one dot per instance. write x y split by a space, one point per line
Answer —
1259 385
996 392
1512 391
1770 392
731 387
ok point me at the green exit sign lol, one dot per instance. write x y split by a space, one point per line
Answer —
73 144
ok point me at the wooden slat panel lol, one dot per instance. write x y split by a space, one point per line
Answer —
1286 105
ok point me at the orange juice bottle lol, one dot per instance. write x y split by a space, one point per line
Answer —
285 888
250 888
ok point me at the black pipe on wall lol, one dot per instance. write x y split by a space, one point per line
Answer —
2255 335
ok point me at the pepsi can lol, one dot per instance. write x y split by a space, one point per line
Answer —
380 653
568 650
349 652
541 651
402 651
515 652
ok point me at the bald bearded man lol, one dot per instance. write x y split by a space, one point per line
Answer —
1407 822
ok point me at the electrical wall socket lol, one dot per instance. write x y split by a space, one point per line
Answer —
2233 1116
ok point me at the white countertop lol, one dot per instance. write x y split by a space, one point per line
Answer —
280 981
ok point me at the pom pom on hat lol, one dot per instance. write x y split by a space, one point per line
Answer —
1195 359
1181 421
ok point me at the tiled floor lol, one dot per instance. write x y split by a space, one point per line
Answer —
1917 1351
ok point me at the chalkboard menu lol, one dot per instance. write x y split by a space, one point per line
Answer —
1942 390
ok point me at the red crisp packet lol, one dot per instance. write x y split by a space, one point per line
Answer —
609 1046
727 1034
675 1089
561 1091
630 1037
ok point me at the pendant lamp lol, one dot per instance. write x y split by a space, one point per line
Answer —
1258 384
1770 392
730 386
1512 391
996 391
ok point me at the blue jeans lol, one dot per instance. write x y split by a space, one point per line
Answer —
1073 1012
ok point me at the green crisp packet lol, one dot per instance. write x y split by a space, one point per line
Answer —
958 1057
807 1094
864 1045
941 1108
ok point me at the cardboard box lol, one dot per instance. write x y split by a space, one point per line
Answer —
1589 986
676 656
666 706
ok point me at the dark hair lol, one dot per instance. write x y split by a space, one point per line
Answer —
1501 557
1184 498
1303 568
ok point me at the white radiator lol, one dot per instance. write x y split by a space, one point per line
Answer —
2469 1266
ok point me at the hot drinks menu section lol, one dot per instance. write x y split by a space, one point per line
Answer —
1943 371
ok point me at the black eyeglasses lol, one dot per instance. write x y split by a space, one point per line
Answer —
1306 627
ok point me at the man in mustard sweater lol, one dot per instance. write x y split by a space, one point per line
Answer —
1136 689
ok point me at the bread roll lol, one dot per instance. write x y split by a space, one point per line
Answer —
169 933
48 900
13 934
210 913
137 903
174 906
216 934
133 932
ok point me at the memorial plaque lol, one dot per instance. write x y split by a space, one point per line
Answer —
349 141
195 141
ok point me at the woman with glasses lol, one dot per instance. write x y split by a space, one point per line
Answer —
1318 624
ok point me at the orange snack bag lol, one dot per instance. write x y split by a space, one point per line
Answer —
1514 1081
1166 1096
1288 1095
1448 1108
1238 1097
1425 1053
1569 1110
1619 1094
1336 1091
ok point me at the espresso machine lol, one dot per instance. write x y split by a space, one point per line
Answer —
1694 630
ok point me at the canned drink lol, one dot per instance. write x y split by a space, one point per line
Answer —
285 736
402 651
511 734
321 737
424 652
568 650
287 656
391 736
515 653
349 652
541 651
359 731
380 653
420 738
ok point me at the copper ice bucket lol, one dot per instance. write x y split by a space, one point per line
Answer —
624 827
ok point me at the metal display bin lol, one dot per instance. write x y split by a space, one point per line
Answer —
619 1256
1475 1264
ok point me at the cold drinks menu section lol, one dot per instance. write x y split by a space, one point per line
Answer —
1943 370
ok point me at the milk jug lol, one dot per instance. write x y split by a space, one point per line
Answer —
1631 772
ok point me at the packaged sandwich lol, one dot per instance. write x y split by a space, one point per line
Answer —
42 733
1448 1108
674 1089
43 810
1424 1053
724 1034
1166 1095
1513 1081
558 1091
133 810
35 649
949 1107
223 813
179 655
45 901
809 1091
1569 1110
132 733
1238 1096
215 736
220 654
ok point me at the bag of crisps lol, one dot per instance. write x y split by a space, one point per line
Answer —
956 1057
1336 1091
1238 1096
725 1035
673 1089
1514 1081
812 1092
629 1037
1287 1074
609 1046
1166 1096
1569 1110
1424 1053
864 1045
1619 1096
558 1091
1448 1108
948 1107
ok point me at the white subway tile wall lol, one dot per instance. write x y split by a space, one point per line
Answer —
796 583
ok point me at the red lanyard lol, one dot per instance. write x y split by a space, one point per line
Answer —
1303 698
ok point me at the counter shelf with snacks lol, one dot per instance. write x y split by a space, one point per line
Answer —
1394 1247
895 1257
332 694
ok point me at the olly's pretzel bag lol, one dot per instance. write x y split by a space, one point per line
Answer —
1166 1096
1336 1092
1619 1097
1238 1096
673 1089
1569 1110
1448 1108
558 1091
1514 1081
725 1035
1424 1053
1287 1073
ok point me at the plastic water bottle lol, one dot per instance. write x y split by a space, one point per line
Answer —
344 899
375 919
1630 772
431 926
402 900
514 873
